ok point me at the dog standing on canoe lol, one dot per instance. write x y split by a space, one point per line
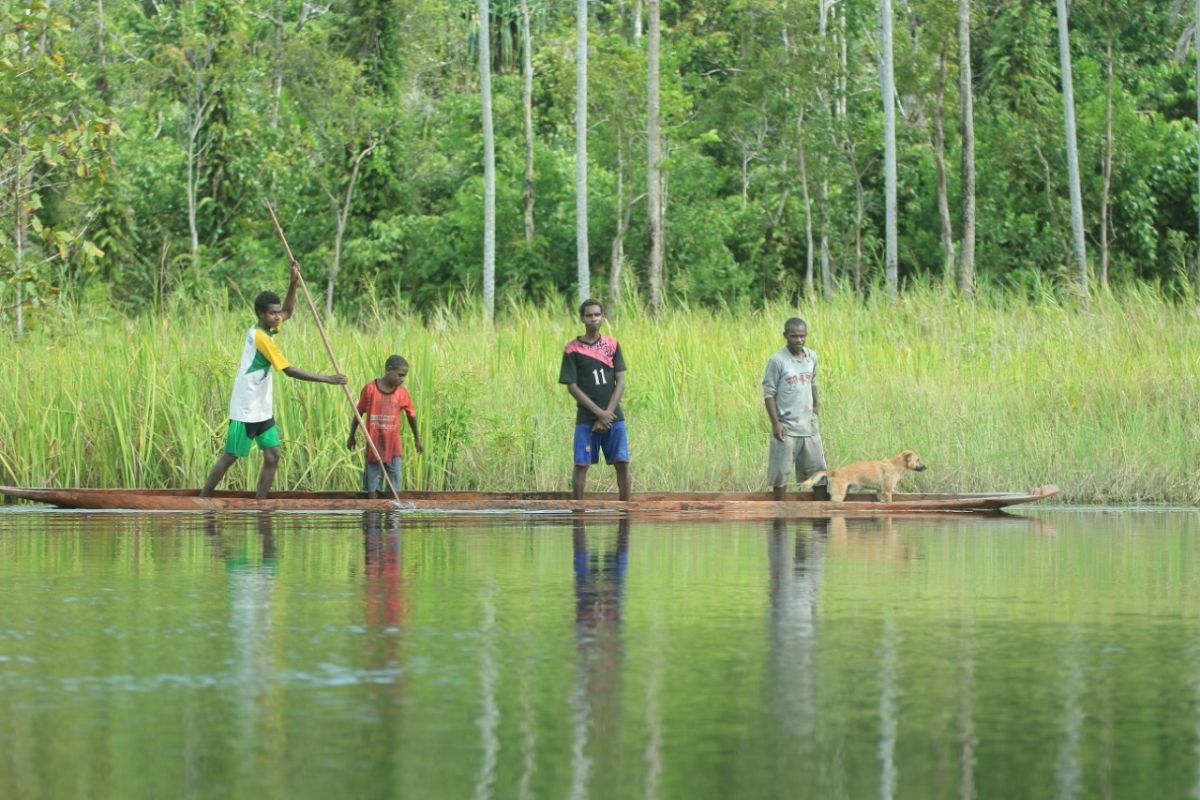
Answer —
882 476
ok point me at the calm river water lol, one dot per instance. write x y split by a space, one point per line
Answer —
1053 654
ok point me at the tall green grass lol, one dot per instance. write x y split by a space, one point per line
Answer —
995 394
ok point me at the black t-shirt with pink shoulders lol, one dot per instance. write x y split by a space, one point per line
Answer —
592 366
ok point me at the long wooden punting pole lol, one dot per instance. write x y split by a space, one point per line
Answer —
329 349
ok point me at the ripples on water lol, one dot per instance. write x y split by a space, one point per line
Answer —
1055 654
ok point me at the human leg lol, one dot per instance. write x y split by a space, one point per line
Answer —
779 465
623 482
222 465
615 444
394 469
578 481
237 445
586 452
372 478
810 458
266 475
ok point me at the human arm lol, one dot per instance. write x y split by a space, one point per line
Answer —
289 302
302 375
352 442
816 400
777 429
412 424
603 416
605 421
770 386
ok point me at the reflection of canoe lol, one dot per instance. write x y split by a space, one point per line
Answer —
731 504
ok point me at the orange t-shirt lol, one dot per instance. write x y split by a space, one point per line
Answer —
381 414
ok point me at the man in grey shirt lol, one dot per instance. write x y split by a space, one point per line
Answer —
790 395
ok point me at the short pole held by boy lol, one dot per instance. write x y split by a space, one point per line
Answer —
380 403
593 370
790 395
251 403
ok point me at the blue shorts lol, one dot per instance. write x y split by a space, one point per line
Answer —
589 443
373 475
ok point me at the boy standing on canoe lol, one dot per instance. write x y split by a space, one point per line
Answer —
790 395
380 403
251 404
593 370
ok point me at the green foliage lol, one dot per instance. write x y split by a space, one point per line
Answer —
1000 393
369 109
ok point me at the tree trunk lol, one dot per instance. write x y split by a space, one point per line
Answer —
342 219
809 287
939 157
832 105
489 164
582 271
1196 266
653 170
617 257
1106 191
966 266
277 67
860 215
1077 240
637 22
527 105
888 90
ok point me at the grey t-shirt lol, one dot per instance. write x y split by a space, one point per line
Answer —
790 380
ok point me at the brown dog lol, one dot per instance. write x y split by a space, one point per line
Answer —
882 476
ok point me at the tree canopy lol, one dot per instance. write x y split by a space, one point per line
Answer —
138 139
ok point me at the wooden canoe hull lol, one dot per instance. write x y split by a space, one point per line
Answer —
720 504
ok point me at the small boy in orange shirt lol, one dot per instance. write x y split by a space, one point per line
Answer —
380 404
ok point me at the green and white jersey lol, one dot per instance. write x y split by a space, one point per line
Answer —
252 399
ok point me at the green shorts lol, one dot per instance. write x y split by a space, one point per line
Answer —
240 434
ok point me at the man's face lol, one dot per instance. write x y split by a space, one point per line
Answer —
592 316
796 336
271 317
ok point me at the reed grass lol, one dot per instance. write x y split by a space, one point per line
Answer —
996 394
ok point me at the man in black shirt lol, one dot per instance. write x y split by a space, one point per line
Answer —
593 370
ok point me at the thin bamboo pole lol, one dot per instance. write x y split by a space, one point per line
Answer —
329 349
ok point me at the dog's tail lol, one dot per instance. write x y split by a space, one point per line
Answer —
812 480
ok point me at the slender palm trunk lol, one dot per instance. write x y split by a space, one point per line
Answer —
1196 265
489 163
939 157
654 200
527 107
1106 191
583 276
966 95
888 90
1077 240
809 287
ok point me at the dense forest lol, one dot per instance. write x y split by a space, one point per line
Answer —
711 152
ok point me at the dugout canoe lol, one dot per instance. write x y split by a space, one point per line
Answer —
798 505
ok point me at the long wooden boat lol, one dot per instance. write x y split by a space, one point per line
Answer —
720 504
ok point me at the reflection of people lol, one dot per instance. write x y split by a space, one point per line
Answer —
380 403
593 370
599 577
790 395
599 588
382 560
251 407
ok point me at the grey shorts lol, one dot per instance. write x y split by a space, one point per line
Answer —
373 475
805 454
